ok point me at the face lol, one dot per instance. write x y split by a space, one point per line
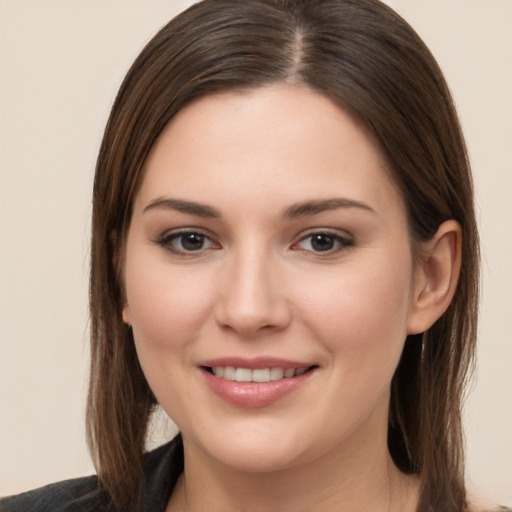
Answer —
269 278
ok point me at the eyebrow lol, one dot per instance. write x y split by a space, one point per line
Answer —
292 212
313 207
192 208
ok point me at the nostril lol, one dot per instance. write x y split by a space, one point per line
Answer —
252 306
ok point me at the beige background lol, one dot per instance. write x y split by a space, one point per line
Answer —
61 64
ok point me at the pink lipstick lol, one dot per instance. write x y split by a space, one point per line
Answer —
255 382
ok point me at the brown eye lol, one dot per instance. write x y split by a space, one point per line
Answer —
186 242
323 242
192 241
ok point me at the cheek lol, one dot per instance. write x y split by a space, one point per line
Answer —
361 310
165 303
167 308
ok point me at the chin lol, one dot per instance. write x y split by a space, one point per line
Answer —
262 448
256 458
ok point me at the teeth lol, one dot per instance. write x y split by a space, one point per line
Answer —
261 375
243 375
276 373
257 375
229 373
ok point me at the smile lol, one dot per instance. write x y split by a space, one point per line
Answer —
265 382
256 375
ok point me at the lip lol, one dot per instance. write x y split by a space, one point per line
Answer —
254 394
255 363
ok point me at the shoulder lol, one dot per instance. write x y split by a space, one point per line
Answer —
162 468
480 506
76 495
479 502
494 508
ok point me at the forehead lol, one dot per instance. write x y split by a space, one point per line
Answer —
279 140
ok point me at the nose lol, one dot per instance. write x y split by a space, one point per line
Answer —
252 297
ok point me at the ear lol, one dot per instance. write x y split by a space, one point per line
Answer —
114 241
127 316
436 277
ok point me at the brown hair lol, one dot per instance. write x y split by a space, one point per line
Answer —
370 61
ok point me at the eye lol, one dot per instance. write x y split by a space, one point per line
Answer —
186 242
323 242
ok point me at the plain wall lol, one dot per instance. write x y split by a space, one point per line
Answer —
61 63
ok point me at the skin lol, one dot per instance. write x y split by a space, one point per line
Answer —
259 286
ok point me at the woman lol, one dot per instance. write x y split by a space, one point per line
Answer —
285 258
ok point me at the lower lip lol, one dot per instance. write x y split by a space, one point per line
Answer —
254 394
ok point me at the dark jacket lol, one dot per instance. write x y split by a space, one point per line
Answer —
162 467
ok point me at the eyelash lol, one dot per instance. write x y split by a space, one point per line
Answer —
341 243
166 241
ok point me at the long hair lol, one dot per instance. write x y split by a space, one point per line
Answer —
368 60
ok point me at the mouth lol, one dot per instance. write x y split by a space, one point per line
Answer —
260 375
258 381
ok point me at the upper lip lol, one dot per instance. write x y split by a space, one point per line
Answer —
254 363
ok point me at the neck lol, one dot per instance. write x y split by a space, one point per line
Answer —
362 478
